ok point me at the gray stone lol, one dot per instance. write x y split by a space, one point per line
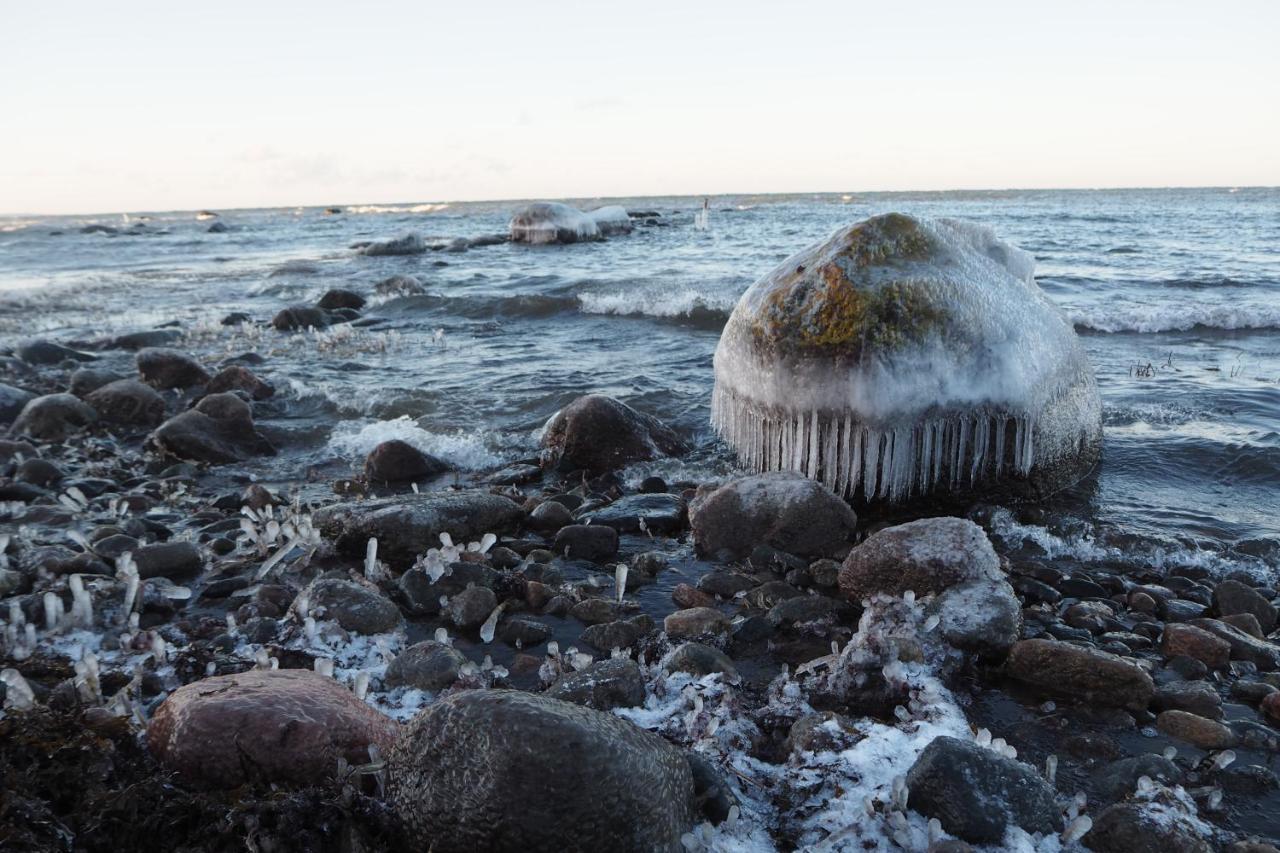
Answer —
604 685
586 542
928 556
355 607
53 417
700 659
164 368
653 513
471 607
172 560
783 510
426 666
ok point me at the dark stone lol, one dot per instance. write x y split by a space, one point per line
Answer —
927 556
172 560
142 340
53 417
1231 597
218 430
129 402
39 472
700 659
41 351
805 609
398 461
238 378
653 513
783 510
12 400
618 634
471 607
586 542
524 631
599 434
300 317
427 666
164 368
604 685
1130 828
340 298
1080 673
355 607
1118 779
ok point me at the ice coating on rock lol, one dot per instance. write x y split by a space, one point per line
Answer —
904 356
552 222
612 219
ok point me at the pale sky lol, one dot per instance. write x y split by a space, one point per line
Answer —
146 105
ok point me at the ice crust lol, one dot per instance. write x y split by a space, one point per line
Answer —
993 383
552 222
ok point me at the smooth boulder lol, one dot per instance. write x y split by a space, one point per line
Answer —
397 461
219 430
128 402
928 556
53 417
782 510
165 368
598 434
1076 672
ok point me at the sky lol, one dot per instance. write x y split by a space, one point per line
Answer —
108 107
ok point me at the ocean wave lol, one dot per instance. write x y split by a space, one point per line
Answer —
396 208
1181 317
468 451
683 303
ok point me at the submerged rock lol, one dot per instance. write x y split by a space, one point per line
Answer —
927 555
655 513
239 378
782 510
41 351
296 317
502 770
339 297
552 222
218 430
407 244
598 434
284 726
904 357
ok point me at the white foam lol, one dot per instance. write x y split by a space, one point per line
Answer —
396 208
672 302
465 450
1179 316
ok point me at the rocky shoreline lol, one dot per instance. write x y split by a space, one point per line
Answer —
543 657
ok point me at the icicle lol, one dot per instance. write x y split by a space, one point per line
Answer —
53 612
620 580
1077 829
362 685
18 693
490 626
324 666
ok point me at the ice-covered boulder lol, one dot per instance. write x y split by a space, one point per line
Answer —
612 219
406 244
903 357
552 222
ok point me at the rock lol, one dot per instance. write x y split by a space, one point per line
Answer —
422 596
550 515
808 609
355 607
39 472
218 430
173 560
822 732
1270 707
398 461
927 556
727 584
53 417
471 607
695 622
407 244
340 298
1131 828
409 525
586 542
1084 674
768 595
89 379
661 514
1178 639
1091 616
12 401
1231 597
1263 654
611 220
783 510
700 659
218 228
1198 731
983 617
1246 622
618 634
281 726
594 611
552 222
524 632
464 762
427 665
977 793
1194 696
238 378
142 340
41 351
1118 779
129 402
604 685
297 317
687 596
905 357
164 368
599 434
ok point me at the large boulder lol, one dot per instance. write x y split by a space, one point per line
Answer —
1261 653
598 434
783 510
53 417
904 357
164 368
928 555
976 793
612 219
218 430
502 770
279 726
1136 827
1080 673
1231 597
552 222
128 402
409 525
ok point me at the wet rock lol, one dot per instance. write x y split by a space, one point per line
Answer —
39 472
283 726
1263 654
927 556
1214 652
88 379
594 611
726 584
1091 616
407 244
1080 673
398 461
604 685
768 595
552 222
618 634
462 763
599 434
471 607
218 228
12 401
340 298
53 417
355 607
427 665
41 351
1118 779
783 510
981 617
297 317
808 609
164 368
700 659
219 430
587 542
236 377
977 793
1246 622
1270 707
1198 731
1194 696
651 513
422 596
1129 828
695 622
524 631
688 596
129 402
550 515
822 732
172 560
409 525
148 338
1232 597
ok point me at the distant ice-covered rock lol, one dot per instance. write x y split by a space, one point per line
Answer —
407 244
904 357
552 222
612 219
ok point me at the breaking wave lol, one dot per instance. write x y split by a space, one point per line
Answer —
1179 317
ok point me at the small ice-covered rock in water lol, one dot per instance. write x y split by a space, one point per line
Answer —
612 219
904 357
552 222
